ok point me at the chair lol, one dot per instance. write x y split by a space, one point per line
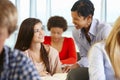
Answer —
78 74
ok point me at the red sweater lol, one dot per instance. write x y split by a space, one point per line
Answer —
68 53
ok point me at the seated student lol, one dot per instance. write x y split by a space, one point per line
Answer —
44 57
13 64
104 57
64 45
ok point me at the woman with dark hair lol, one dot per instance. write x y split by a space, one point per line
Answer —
44 57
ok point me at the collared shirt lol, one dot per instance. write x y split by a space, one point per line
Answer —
100 67
17 66
98 31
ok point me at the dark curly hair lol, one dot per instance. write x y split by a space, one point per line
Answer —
57 21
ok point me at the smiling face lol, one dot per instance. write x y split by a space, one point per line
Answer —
80 21
56 33
38 33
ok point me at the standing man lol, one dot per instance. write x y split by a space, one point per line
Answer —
87 32
14 65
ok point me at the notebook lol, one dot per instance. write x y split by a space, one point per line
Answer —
57 76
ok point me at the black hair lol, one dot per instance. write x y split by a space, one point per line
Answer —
57 21
83 7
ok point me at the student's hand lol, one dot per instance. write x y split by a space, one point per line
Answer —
66 69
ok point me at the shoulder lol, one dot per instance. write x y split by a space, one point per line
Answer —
21 64
97 48
68 39
103 26
99 45
76 31
26 53
76 34
97 51
51 50
47 47
18 56
13 53
16 53
104 30
101 29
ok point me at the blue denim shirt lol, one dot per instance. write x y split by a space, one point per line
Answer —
17 66
98 31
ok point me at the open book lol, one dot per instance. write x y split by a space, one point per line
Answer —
57 76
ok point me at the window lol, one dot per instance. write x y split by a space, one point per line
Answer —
113 10
43 9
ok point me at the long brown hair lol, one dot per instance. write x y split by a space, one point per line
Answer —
25 36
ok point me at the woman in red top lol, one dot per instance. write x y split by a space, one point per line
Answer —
65 46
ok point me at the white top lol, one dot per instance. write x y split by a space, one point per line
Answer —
100 67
